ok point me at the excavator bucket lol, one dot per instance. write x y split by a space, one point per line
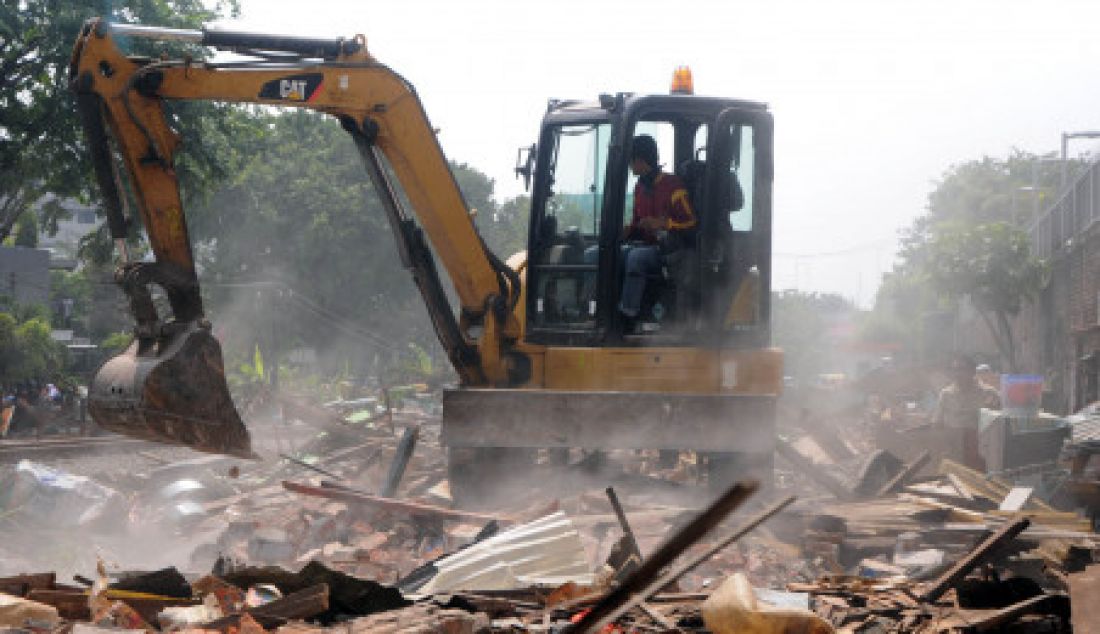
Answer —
171 390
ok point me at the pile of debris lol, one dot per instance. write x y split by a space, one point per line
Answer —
358 504
908 550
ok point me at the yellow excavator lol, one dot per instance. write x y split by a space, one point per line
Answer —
545 359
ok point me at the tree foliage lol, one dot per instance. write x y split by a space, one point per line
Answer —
71 299
26 232
295 247
291 243
505 229
970 243
992 265
41 145
27 352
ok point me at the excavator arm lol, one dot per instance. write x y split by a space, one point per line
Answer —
169 385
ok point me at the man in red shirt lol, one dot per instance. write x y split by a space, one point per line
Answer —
661 206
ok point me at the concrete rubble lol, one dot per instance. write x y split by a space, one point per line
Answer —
350 525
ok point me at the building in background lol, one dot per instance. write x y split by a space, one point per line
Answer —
64 244
25 275
1060 332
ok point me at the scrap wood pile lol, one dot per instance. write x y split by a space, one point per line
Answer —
957 550
362 511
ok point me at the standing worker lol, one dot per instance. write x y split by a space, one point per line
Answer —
959 405
661 207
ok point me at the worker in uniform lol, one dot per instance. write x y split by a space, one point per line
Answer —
959 408
662 212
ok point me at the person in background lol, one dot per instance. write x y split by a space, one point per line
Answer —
987 377
959 405
7 410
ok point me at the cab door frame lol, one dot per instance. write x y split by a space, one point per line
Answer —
727 255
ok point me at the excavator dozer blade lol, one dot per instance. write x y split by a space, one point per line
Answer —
171 391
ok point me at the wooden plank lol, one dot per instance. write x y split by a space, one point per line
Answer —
1016 499
631 591
1084 588
976 482
960 486
345 494
20 585
963 567
988 486
70 605
903 476
1042 604
819 475
669 577
302 604
956 514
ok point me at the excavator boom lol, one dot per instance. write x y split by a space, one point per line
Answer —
169 385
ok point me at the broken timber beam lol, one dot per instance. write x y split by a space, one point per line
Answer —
628 541
345 494
1084 588
908 472
20 585
627 595
958 572
807 466
302 604
1042 604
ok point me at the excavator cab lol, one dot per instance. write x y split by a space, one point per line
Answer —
712 287
698 375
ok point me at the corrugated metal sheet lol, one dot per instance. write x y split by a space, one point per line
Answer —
546 552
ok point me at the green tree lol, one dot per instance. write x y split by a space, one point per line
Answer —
9 347
41 146
116 342
26 233
975 200
992 265
71 297
40 356
505 230
297 243
27 351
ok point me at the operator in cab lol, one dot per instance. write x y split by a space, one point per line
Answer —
662 215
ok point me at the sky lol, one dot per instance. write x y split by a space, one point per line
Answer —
873 100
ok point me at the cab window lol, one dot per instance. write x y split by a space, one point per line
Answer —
565 254
742 169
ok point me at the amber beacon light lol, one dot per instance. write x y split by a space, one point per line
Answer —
682 83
